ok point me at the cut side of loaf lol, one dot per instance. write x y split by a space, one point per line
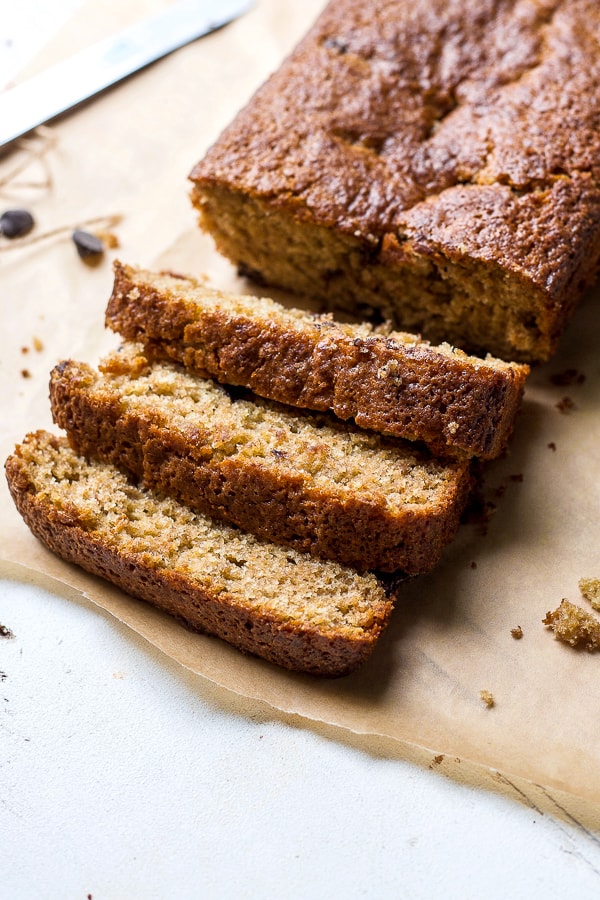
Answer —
299 479
433 163
393 383
294 610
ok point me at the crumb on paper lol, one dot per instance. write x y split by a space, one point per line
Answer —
488 698
517 633
438 759
5 632
574 626
25 373
37 345
565 405
552 446
590 591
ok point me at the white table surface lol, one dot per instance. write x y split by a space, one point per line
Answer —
124 776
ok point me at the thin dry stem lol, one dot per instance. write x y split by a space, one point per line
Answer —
33 154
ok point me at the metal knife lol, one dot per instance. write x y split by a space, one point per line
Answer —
68 83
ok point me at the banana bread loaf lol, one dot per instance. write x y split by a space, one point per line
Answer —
289 608
302 480
393 383
436 163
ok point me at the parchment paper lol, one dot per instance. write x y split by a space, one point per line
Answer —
129 152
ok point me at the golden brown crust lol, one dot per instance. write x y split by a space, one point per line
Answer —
433 161
205 606
259 491
399 386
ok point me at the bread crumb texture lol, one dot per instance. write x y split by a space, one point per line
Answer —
590 590
573 625
488 698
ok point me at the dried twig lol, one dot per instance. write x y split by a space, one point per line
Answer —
33 154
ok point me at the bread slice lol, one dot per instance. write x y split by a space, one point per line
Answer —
303 480
436 163
394 383
294 610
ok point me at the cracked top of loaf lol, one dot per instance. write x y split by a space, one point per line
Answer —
472 125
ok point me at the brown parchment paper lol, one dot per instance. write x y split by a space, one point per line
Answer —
129 152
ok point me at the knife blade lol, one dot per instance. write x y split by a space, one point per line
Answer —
68 83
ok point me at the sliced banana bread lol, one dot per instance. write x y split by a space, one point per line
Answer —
292 609
394 383
305 480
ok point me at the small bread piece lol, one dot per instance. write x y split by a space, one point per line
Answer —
573 625
590 590
393 383
289 608
436 162
303 480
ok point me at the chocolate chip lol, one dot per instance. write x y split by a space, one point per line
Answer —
16 223
89 246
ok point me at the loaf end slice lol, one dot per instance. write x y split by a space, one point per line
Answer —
286 607
393 382
299 479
